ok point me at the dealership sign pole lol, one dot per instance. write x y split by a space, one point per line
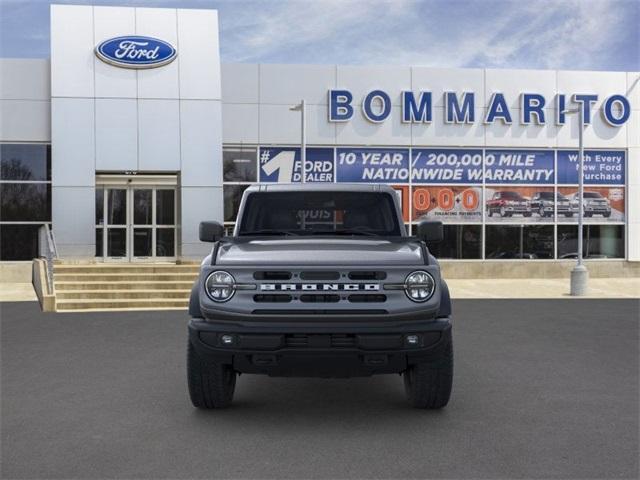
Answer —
303 137
580 274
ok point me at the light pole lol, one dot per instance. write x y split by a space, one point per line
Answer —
580 274
303 136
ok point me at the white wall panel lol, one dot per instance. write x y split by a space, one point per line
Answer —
73 142
240 83
24 79
360 131
116 134
597 135
159 23
519 135
25 120
603 84
514 82
158 135
279 125
439 133
111 81
633 204
199 55
240 123
201 140
198 204
633 89
288 84
440 80
72 56
319 130
361 80
633 129
73 215
633 170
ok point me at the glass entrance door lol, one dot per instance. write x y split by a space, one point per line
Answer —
136 223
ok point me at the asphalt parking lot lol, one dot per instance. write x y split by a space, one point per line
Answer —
542 389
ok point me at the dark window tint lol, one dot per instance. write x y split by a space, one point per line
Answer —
117 207
460 241
18 242
239 164
165 207
25 202
142 206
329 213
25 162
598 241
529 242
116 242
232 197
99 206
165 242
99 242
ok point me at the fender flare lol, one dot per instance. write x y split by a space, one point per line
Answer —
194 302
445 301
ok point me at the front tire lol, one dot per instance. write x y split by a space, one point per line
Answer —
428 384
211 385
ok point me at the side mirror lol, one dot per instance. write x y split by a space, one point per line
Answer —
430 231
211 231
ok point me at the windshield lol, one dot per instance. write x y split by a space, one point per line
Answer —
512 196
319 213
546 195
592 195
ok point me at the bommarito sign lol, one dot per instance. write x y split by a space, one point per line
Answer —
460 108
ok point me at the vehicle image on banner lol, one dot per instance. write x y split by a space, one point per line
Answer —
320 280
507 203
543 204
594 204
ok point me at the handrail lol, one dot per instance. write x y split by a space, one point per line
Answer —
48 244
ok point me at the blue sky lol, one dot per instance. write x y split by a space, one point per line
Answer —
546 34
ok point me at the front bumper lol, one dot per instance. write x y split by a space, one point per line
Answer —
322 350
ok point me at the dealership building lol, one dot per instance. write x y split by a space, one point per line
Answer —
123 161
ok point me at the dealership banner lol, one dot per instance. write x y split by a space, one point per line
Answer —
505 204
437 165
372 165
601 167
284 165
450 203
519 166
601 205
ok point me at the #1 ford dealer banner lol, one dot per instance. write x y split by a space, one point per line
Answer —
283 165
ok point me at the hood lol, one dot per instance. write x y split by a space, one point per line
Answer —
320 251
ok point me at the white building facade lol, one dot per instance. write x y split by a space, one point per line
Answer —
123 163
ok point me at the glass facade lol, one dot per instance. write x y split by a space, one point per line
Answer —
25 198
495 204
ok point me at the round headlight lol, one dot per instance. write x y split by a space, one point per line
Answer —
419 286
220 286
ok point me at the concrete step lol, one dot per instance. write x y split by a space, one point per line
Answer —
119 304
123 294
122 277
62 286
125 268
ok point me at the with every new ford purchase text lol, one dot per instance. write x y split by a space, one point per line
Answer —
320 281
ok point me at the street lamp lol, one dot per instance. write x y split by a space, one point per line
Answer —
579 274
303 136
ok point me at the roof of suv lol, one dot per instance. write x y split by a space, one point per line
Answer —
320 187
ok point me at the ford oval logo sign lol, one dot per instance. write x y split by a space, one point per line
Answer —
134 51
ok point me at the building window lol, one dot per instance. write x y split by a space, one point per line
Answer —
25 198
460 242
232 196
239 164
529 242
598 241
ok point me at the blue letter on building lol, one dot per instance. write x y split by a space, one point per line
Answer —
560 109
613 120
367 106
454 113
532 105
416 112
498 108
586 101
340 109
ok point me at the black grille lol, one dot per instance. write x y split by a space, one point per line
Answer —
320 341
319 298
318 311
272 275
319 275
274 298
365 298
367 275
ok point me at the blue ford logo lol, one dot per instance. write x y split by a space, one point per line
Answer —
134 51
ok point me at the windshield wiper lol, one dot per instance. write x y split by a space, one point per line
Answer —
269 231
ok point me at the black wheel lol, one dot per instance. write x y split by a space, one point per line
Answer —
606 214
428 384
527 214
568 215
490 212
211 385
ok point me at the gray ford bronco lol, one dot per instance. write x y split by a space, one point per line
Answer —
320 280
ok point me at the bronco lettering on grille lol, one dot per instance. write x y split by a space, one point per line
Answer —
324 287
